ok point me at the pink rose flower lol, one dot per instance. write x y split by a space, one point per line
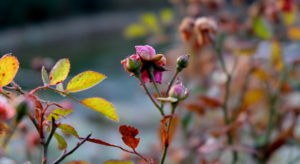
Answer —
148 58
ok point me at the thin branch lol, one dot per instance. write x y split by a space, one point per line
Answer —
66 154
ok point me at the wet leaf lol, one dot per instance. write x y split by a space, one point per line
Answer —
62 144
59 113
102 106
118 162
84 81
128 136
9 66
68 129
60 71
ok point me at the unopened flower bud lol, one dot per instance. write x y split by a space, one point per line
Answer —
182 62
132 64
178 91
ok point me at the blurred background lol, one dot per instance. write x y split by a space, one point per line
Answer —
91 34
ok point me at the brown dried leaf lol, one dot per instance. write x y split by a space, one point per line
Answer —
210 102
128 136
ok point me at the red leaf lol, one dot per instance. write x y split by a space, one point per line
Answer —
128 136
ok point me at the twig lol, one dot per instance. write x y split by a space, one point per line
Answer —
66 154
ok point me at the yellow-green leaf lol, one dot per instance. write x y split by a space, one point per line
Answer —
62 144
68 129
290 17
261 28
59 113
135 31
60 71
150 21
9 66
118 162
166 16
84 81
102 106
253 96
276 55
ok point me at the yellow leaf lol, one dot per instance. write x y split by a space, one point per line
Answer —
60 71
150 21
294 33
290 17
253 96
102 106
276 58
62 144
9 66
68 129
261 74
117 162
84 81
262 28
59 113
135 31
166 16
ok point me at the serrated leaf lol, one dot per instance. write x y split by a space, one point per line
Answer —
62 144
60 71
102 106
118 162
59 113
9 66
261 28
84 81
45 76
68 129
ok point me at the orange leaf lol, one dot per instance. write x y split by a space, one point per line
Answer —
166 133
195 107
128 136
210 102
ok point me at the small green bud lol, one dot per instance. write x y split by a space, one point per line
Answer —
132 64
182 62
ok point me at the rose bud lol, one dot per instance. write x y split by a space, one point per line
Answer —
182 62
178 91
132 64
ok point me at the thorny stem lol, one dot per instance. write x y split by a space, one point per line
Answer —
149 95
226 98
166 146
66 154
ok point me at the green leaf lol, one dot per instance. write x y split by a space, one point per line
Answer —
102 106
68 129
84 81
150 21
45 76
62 144
60 71
261 28
59 113
166 16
